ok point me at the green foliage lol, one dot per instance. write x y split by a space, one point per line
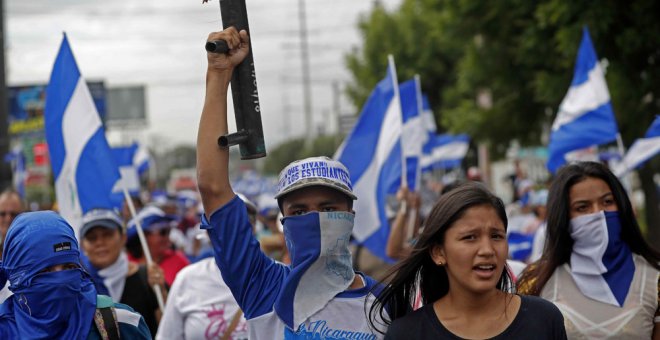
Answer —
294 149
521 53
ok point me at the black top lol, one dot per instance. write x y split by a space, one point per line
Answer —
142 298
536 319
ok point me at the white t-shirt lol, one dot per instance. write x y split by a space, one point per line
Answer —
341 318
200 305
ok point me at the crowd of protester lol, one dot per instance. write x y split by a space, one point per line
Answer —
564 260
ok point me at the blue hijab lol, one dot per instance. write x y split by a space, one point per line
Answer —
52 305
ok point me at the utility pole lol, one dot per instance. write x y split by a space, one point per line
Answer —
337 110
304 59
5 172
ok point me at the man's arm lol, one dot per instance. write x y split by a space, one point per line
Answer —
212 161
254 279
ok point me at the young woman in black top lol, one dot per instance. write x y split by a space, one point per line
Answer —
458 269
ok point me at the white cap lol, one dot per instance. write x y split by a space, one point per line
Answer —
315 171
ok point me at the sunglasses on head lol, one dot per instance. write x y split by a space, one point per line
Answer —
13 214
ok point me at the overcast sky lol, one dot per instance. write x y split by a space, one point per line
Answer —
160 44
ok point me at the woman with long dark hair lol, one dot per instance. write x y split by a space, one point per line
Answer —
596 266
458 266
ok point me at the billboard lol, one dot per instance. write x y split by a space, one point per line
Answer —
126 106
26 107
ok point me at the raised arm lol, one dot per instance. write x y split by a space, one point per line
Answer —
212 161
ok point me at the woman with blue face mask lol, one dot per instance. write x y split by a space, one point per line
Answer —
596 266
53 297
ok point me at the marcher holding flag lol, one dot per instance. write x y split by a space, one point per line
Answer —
319 295
596 266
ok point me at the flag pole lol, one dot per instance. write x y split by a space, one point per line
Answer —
397 97
412 215
143 243
626 178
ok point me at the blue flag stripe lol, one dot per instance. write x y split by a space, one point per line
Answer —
64 80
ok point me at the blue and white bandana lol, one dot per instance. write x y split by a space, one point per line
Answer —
321 264
601 263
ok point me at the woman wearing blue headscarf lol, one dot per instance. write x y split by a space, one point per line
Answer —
53 297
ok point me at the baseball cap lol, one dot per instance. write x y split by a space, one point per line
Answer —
151 218
313 171
105 218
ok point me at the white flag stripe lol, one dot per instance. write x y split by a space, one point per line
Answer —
455 150
414 136
79 123
365 187
583 98
640 151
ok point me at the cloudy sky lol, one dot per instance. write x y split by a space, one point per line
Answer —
160 44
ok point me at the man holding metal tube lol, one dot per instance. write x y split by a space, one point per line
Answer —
319 295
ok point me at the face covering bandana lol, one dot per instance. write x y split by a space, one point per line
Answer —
50 307
321 265
45 305
601 263
110 280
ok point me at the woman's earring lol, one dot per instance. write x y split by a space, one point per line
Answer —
440 263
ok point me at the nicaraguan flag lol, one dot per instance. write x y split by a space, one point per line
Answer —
16 159
141 158
372 155
585 115
125 158
642 150
83 167
445 151
414 134
427 118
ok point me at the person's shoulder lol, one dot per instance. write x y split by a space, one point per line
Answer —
538 306
200 269
401 327
126 314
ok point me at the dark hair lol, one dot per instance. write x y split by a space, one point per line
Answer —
559 244
134 247
418 271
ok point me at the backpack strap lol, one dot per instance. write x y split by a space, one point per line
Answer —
105 318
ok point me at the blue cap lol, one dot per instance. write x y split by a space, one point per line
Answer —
151 218
35 241
105 218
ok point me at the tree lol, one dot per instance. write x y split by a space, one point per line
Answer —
519 56
294 149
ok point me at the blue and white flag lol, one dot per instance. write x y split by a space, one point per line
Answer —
445 151
427 118
585 116
125 157
141 158
414 134
642 150
372 155
83 166
16 158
